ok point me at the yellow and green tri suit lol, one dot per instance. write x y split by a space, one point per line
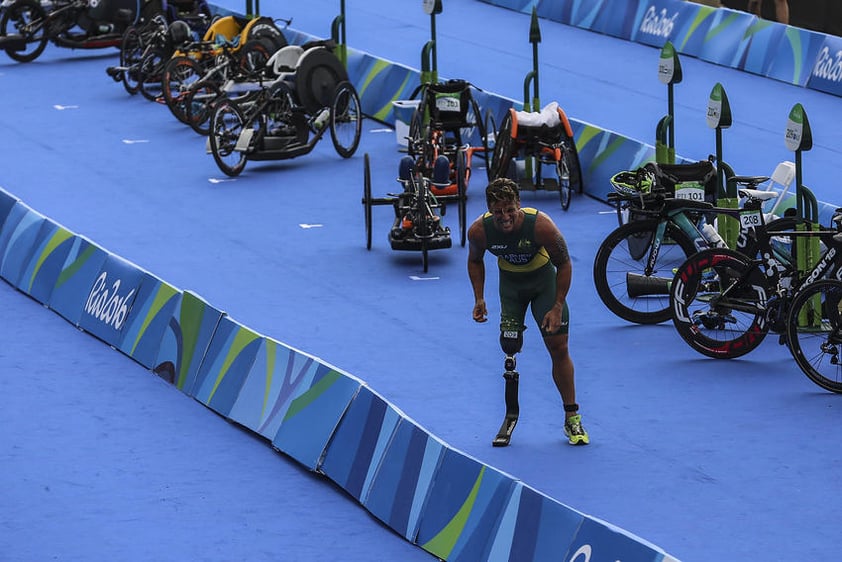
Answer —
527 277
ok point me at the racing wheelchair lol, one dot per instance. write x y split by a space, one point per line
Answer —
447 123
287 115
27 26
536 149
417 224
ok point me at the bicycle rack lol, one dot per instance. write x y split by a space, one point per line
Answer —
532 78
669 73
429 64
337 34
798 138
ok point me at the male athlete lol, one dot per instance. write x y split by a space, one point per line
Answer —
535 270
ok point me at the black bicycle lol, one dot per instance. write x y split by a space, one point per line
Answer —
724 303
634 266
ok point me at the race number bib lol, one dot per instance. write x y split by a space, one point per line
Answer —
750 219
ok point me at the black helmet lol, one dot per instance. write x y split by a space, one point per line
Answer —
179 33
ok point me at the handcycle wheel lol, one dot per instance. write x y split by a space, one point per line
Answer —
22 14
563 173
346 120
814 333
150 75
367 201
179 74
415 140
502 149
131 53
718 299
489 134
619 270
574 167
425 256
462 193
227 123
198 105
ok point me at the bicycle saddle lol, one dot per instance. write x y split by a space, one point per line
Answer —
757 194
749 180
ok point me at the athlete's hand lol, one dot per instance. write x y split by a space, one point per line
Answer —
552 320
480 312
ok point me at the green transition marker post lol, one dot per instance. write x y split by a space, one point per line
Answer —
718 118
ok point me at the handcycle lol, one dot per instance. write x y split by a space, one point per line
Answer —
417 224
725 302
543 139
161 35
27 26
448 123
231 45
305 67
286 118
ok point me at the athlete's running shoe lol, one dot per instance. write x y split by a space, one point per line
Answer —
576 434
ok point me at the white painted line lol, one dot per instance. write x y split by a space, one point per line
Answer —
218 180
134 141
63 107
382 131
306 226
416 278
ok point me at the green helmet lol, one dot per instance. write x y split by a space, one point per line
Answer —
633 183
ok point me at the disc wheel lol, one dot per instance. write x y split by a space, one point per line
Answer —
179 74
227 123
25 18
367 201
317 75
814 333
620 270
131 54
462 194
719 301
346 120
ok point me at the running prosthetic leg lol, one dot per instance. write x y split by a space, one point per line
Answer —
511 342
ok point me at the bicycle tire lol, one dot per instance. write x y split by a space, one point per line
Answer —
617 258
15 17
813 333
346 120
718 299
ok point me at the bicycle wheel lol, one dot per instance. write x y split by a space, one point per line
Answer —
814 333
198 105
620 270
719 299
151 74
227 123
25 18
131 54
179 74
346 120
461 194
367 201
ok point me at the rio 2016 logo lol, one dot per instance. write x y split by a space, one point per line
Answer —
659 25
106 304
